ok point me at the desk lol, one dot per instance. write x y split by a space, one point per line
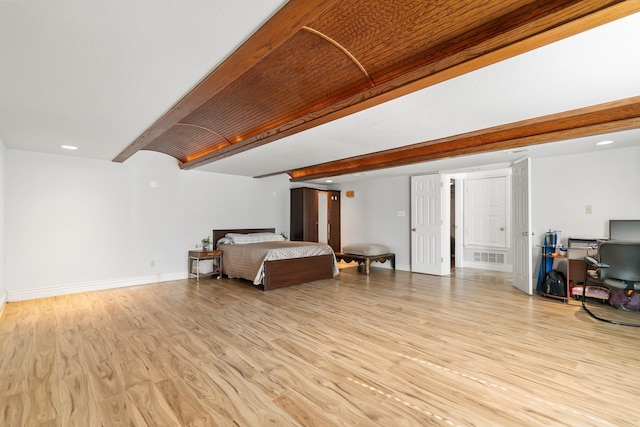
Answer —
194 263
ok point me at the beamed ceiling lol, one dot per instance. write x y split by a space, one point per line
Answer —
314 62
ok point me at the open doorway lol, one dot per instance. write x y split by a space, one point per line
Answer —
474 211
479 219
452 222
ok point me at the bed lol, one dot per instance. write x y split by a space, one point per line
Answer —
274 264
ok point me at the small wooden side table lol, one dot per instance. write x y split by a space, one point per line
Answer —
194 261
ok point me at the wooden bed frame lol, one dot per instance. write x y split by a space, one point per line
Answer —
287 272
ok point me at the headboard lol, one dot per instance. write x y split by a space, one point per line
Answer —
219 234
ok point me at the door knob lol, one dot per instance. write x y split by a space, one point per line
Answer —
413 229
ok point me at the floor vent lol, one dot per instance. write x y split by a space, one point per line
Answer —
491 257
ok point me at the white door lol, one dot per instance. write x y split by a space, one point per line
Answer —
485 212
521 219
430 225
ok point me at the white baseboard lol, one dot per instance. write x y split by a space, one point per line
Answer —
3 301
489 266
54 291
403 267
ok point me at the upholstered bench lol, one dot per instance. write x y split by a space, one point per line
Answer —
366 253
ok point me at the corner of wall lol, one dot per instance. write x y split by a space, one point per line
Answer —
3 292
3 301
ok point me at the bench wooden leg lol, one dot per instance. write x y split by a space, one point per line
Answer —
364 261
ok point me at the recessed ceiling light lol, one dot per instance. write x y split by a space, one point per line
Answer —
604 142
329 180
68 147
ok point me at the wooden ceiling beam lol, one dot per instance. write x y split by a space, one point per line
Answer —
567 18
291 18
505 30
603 118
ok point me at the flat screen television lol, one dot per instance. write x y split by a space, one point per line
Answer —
624 229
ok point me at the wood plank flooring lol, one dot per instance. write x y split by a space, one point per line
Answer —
388 349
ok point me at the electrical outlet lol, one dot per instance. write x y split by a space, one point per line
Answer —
588 209
153 263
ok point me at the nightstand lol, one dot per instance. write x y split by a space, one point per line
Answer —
196 257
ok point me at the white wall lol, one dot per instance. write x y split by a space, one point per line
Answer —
77 224
561 187
74 224
371 216
3 291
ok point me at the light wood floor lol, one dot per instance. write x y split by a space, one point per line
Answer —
389 349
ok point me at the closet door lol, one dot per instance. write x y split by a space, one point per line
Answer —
304 223
333 220
304 214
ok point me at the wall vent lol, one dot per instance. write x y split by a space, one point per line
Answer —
490 257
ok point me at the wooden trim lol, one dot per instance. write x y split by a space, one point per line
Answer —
603 118
204 129
342 49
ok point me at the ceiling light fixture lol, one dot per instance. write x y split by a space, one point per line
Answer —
604 142
329 181
69 147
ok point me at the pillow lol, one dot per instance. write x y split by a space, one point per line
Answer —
242 239
367 249
224 241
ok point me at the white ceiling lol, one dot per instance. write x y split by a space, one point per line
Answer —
96 74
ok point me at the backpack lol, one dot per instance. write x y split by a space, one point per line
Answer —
633 303
618 297
555 284
625 299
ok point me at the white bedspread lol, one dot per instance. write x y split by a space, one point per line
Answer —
247 261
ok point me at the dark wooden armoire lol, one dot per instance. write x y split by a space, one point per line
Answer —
305 216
